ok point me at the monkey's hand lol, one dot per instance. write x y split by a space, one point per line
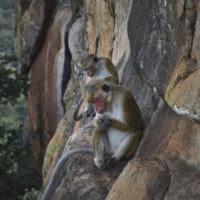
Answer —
102 124
90 112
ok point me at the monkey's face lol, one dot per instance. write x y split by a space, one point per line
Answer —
90 71
88 64
101 97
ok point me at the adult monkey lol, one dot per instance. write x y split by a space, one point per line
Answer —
118 128
95 68
118 122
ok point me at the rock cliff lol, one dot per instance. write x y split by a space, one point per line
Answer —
155 47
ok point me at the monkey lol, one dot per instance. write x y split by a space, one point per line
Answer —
117 125
117 128
49 189
98 68
95 68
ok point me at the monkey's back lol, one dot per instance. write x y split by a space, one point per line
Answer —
132 115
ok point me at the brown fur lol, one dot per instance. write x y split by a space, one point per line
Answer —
100 62
132 121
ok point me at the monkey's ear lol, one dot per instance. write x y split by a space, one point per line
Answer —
105 88
95 59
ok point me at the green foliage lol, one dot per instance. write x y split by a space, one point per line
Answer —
31 194
16 170
12 83
18 178
6 4
17 174
6 26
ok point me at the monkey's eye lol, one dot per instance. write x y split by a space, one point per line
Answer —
105 88
95 59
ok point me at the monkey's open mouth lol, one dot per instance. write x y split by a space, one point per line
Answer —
99 104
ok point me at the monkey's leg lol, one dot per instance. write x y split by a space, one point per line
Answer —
98 147
122 149
125 145
136 141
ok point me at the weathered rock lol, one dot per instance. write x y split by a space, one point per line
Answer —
183 91
79 178
195 50
121 45
143 181
77 42
53 147
66 126
47 80
155 46
100 27
174 141
161 44
32 21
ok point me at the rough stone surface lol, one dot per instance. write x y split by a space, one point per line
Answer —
53 147
183 91
32 21
155 47
77 43
174 141
144 179
100 23
195 49
79 178
45 95
121 44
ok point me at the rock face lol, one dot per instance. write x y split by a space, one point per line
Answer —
32 20
167 163
50 71
155 47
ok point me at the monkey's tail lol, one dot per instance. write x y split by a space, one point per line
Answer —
52 181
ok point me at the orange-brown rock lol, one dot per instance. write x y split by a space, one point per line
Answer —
143 180
100 27
183 91
45 108
167 164
32 21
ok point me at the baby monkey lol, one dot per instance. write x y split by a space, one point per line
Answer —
95 68
118 122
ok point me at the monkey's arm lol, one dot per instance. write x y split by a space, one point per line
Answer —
102 124
119 125
51 183
112 79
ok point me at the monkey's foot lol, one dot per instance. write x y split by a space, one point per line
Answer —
108 163
98 162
